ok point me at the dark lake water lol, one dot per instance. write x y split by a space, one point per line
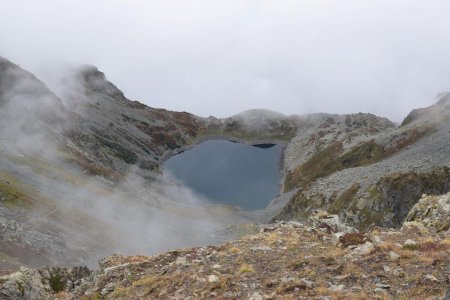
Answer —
230 173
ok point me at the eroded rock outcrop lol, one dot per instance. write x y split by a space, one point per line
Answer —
433 212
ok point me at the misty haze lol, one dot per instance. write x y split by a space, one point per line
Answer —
224 149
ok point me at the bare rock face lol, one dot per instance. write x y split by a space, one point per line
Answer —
433 212
95 81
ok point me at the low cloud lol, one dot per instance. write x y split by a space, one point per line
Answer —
75 218
222 57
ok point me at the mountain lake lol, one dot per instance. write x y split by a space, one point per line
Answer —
237 174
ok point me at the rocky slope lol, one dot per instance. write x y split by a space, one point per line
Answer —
320 259
66 158
81 178
73 169
369 173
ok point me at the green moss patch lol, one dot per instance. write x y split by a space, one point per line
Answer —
56 283
321 164
362 155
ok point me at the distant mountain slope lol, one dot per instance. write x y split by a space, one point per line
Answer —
80 173
122 132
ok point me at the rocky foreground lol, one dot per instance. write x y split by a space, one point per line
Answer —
319 259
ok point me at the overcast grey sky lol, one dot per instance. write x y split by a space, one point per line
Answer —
215 57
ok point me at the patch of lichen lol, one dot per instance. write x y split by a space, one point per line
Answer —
373 192
21 288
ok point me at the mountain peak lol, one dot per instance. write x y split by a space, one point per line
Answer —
438 112
95 81
444 100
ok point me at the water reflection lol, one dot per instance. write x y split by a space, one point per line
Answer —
230 173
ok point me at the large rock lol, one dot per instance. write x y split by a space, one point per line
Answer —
330 222
433 212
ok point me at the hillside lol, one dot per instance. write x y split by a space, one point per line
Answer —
81 179
76 170
369 173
